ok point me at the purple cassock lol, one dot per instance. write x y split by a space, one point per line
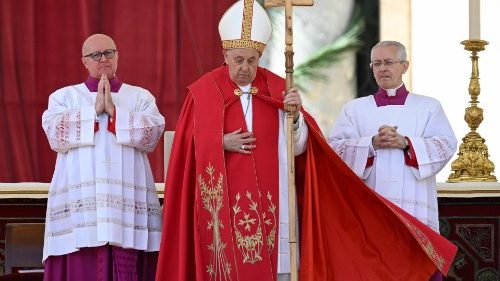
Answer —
107 263
92 84
383 99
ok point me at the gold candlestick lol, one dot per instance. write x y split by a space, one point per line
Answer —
473 164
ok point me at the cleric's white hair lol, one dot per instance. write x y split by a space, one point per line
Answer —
401 48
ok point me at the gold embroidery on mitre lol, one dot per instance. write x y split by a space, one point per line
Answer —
243 44
246 32
253 91
246 29
212 195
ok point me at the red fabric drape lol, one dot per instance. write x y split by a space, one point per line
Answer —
349 232
164 46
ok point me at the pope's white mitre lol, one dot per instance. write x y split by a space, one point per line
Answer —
245 25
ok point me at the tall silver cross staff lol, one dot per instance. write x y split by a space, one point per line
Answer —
292 209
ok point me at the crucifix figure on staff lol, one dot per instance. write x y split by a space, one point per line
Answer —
226 210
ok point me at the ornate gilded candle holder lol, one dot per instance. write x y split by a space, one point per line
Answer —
473 164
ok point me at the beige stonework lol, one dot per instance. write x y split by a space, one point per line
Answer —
396 24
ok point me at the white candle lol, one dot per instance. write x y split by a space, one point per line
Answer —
474 20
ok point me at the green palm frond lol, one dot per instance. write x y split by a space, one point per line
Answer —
329 54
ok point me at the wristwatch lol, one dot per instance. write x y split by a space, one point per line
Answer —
407 145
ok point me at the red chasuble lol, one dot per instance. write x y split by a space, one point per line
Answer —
221 208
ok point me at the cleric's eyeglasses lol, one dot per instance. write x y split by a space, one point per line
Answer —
109 54
387 63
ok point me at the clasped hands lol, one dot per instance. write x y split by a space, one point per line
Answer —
104 102
244 143
388 137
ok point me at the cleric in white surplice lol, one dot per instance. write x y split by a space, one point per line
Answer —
103 217
396 141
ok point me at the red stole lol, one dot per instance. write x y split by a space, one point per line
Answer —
237 195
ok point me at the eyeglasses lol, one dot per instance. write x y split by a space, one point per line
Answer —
109 54
387 64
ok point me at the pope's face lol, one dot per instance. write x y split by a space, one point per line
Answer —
388 69
103 65
242 65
